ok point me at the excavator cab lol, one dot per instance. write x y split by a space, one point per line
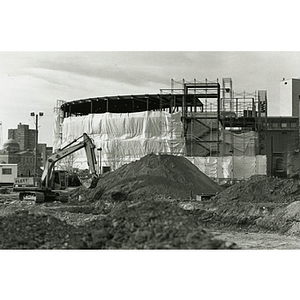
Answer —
63 179
60 180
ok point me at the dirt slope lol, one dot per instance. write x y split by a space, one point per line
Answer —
155 176
260 203
260 189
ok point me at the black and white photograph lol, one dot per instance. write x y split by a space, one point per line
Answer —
122 157
172 151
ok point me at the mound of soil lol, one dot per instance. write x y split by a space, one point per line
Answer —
154 176
283 219
151 225
25 230
141 225
260 203
261 189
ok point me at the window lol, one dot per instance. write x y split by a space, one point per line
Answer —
275 125
284 125
6 171
293 124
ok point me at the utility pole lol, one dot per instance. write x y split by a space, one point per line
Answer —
36 146
40 114
99 160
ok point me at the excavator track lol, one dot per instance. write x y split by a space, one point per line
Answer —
37 197
40 197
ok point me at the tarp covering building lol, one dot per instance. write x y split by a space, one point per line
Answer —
231 167
124 137
238 144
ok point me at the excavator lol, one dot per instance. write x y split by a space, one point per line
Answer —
53 185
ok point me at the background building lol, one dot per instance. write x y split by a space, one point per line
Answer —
20 150
24 136
289 97
24 159
205 121
227 135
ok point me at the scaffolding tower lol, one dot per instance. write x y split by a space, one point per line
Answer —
200 108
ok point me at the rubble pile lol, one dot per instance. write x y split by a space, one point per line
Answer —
153 176
151 225
260 203
26 230
260 189
283 219
141 225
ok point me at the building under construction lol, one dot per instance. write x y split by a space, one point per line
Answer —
227 135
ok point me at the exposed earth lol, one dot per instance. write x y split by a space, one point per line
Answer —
151 204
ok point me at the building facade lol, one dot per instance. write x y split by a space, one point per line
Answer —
289 97
24 136
20 150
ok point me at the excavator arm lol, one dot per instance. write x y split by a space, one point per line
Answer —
86 143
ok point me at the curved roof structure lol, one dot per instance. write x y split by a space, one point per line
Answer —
171 100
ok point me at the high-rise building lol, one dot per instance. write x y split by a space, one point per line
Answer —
24 136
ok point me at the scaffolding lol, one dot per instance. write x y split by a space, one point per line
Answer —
216 123
200 107
222 127
57 123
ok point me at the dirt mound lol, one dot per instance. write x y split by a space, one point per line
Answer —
151 225
261 189
25 230
285 219
152 176
260 203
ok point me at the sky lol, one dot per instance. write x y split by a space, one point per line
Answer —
67 51
32 81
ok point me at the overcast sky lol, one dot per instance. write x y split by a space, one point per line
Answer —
51 52
33 81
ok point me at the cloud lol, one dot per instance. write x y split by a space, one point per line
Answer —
35 80
125 68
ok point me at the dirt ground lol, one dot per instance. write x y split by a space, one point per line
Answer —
150 204
126 225
259 240
68 226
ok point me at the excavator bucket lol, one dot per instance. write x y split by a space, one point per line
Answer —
94 182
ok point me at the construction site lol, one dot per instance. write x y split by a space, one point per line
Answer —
195 166
227 135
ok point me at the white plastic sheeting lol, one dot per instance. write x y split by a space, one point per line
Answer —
124 137
231 167
241 144
129 136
